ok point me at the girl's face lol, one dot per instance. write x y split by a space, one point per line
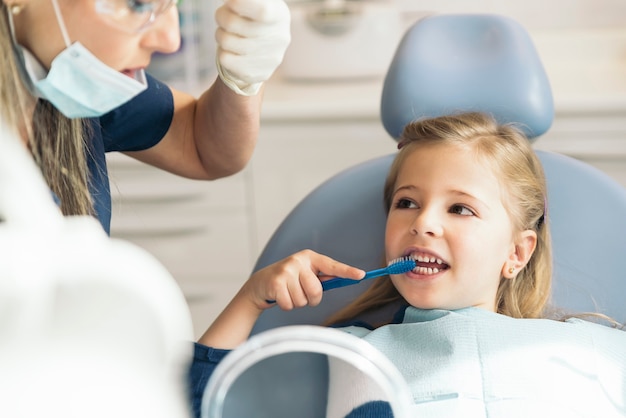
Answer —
37 30
447 209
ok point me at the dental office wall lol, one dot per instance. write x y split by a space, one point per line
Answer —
209 234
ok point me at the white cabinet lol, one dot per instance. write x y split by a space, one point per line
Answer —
598 139
294 157
199 230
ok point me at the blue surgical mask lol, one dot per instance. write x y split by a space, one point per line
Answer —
78 84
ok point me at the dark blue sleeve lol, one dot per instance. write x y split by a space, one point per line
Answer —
142 122
394 311
205 360
374 409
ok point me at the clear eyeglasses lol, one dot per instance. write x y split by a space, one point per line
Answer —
132 16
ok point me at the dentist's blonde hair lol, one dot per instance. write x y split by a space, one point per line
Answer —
56 142
507 150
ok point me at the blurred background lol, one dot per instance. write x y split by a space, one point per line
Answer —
320 116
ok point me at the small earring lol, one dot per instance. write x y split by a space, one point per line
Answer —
16 9
511 270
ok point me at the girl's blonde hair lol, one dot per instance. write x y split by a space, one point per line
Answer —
507 150
56 142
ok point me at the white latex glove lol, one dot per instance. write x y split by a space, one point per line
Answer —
252 37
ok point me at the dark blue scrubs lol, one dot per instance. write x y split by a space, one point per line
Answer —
137 125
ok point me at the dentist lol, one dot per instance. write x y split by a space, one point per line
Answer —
72 82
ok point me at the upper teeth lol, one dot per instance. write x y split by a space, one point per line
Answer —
426 259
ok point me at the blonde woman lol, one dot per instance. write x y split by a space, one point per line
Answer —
73 84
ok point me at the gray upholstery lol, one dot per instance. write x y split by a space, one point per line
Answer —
586 211
277 386
447 63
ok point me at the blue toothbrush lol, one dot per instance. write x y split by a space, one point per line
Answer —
398 266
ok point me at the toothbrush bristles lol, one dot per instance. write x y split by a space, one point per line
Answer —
401 265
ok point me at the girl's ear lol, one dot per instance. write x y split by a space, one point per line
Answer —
524 246
15 6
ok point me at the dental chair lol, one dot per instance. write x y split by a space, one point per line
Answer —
446 64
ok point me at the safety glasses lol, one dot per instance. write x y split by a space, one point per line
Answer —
132 16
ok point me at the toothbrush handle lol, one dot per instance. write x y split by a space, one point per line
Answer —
336 282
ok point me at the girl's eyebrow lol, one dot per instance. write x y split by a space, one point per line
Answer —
408 187
463 194
458 192
478 200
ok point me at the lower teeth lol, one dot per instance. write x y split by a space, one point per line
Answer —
426 270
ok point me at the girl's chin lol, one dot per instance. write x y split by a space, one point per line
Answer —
129 73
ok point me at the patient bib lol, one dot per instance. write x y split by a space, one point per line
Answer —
476 363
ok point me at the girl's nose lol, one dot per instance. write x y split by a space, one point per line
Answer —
427 222
164 34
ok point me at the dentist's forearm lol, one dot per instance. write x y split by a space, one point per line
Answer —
226 130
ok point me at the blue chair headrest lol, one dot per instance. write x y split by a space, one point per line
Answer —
446 64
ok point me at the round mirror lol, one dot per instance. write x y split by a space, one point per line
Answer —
309 372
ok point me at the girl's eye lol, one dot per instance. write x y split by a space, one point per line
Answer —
461 210
404 204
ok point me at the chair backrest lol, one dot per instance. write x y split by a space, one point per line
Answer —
445 64
450 63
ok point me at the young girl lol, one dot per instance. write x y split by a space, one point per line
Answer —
466 198
490 185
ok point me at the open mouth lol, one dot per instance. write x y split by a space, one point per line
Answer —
426 264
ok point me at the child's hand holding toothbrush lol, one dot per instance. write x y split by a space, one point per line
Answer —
293 282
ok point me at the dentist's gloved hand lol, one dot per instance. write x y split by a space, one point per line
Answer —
252 38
